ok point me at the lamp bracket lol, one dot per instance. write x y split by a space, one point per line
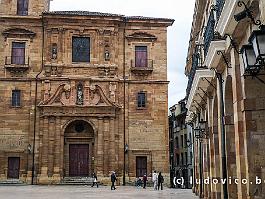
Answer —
204 78
233 43
219 52
249 13
218 75
205 93
201 97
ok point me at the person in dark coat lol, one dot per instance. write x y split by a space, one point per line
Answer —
160 181
113 179
144 180
95 180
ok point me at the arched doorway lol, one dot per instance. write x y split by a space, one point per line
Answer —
78 149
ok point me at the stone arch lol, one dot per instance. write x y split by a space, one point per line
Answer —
83 119
79 153
230 136
216 164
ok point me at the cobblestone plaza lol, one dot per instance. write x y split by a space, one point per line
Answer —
71 192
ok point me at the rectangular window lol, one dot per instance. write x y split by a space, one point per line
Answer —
182 159
141 166
141 100
18 53
16 97
186 158
182 141
140 56
177 159
185 140
22 7
81 49
177 142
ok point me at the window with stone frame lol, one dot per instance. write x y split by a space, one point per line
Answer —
18 53
141 57
22 7
141 99
16 98
80 49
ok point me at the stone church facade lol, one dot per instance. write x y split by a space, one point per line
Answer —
81 92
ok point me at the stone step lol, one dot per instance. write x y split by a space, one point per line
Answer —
77 181
12 182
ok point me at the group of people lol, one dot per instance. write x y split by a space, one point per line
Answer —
157 179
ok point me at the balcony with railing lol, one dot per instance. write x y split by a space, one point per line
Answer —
142 66
219 8
17 63
209 32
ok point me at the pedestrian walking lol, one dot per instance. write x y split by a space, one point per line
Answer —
95 180
113 178
155 179
144 180
160 181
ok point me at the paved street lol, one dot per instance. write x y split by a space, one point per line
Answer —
80 192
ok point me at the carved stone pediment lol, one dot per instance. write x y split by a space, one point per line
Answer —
18 33
59 97
93 97
141 36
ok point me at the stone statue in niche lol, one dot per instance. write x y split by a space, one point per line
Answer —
54 51
80 95
107 55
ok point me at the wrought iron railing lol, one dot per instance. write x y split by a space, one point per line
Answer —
142 64
219 8
209 32
192 72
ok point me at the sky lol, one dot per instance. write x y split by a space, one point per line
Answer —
178 34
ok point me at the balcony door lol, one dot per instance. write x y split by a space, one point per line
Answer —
18 53
141 56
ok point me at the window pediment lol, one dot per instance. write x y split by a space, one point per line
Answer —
18 33
141 36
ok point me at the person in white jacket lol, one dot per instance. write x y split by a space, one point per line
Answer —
155 179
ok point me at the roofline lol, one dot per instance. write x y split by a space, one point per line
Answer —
99 14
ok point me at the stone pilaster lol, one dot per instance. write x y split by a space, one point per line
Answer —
100 148
106 147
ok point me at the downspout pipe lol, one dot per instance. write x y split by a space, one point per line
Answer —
223 136
35 102
124 102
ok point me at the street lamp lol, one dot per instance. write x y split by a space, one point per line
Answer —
257 39
249 59
200 130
